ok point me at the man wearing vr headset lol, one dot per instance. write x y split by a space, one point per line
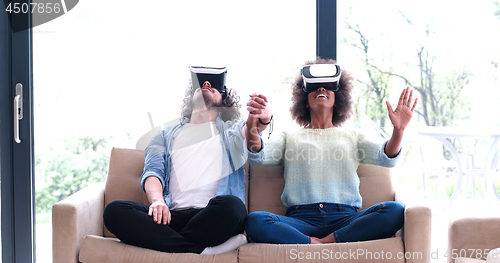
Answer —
320 160
193 175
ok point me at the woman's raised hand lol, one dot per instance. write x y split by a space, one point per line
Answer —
401 117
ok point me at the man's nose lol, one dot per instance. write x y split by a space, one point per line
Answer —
322 89
206 84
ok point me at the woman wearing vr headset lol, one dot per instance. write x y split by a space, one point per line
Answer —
320 162
193 176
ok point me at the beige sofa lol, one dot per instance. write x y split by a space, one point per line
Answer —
470 239
79 233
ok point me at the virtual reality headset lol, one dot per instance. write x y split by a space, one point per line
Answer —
216 77
321 75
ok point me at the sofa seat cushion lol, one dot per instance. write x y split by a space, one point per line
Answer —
96 249
469 260
342 252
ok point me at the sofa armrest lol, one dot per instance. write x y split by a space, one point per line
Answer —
73 218
416 231
473 237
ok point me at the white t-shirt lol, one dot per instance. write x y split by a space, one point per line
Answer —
196 166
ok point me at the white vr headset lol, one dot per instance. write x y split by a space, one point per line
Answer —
216 77
321 75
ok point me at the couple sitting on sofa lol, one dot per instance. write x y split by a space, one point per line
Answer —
195 181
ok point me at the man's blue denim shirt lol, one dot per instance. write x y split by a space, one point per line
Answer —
232 182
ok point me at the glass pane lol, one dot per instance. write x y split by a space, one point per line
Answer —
421 44
102 67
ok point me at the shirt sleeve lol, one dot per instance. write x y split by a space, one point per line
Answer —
272 152
370 152
154 161
237 144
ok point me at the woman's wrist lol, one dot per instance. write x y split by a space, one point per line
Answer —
398 131
266 123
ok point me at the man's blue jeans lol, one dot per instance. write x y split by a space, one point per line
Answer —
301 222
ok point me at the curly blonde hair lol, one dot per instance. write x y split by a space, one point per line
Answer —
229 108
343 99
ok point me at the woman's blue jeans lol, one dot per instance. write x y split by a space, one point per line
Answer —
347 224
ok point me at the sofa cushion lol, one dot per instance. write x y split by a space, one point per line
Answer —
469 260
375 185
97 249
383 250
266 186
124 174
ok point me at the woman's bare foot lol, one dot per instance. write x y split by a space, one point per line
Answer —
328 239
315 241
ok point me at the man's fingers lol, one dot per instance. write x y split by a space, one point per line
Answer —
261 100
159 215
253 110
257 103
166 216
155 215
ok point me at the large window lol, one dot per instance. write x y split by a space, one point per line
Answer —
102 67
106 73
447 51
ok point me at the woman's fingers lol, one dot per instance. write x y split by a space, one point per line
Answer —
261 101
409 99
389 107
253 111
414 104
262 97
257 103
402 97
405 99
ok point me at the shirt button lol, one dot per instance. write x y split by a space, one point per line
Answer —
320 205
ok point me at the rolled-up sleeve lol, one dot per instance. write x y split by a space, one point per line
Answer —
154 163
371 152
271 153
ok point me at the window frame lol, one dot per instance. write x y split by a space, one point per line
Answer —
17 159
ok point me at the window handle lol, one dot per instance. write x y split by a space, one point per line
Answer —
18 111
